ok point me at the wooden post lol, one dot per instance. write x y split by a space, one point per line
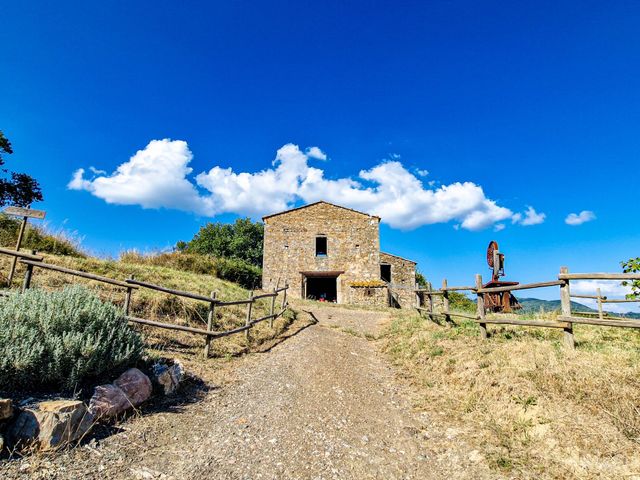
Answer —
430 302
565 303
273 307
284 296
248 319
210 316
600 312
480 307
127 298
27 275
445 301
12 270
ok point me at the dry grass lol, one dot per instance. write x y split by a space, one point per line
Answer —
167 308
533 408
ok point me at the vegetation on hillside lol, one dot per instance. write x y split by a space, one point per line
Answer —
37 238
21 189
159 306
60 340
530 407
241 240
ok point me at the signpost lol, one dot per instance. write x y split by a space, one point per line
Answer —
26 214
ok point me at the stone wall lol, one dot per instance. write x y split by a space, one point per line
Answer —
403 279
353 247
369 296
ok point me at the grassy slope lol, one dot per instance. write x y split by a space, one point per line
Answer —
532 408
167 308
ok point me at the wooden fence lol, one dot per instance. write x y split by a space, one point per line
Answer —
33 261
565 321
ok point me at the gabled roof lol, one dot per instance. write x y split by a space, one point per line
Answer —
318 203
401 258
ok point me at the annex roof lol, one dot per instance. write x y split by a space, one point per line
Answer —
318 203
398 256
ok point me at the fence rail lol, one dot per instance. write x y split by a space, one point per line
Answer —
565 321
33 261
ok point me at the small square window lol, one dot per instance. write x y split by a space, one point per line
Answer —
321 246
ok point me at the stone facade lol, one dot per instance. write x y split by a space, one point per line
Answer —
403 279
369 296
320 249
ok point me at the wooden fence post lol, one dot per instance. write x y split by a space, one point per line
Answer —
430 303
14 261
27 275
600 312
127 298
273 306
445 301
248 319
212 306
480 307
565 303
284 296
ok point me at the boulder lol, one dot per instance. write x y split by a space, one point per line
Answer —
6 409
168 377
136 385
52 424
108 401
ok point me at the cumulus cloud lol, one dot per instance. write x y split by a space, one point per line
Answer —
159 176
315 152
529 217
575 219
609 289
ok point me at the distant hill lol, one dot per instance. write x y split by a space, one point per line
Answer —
530 305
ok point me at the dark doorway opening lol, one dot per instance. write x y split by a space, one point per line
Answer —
385 273
324 289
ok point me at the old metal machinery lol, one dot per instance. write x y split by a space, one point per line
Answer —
503 302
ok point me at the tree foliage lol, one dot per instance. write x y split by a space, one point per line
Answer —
241 240
632 266
19 189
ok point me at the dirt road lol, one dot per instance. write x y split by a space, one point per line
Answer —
324 404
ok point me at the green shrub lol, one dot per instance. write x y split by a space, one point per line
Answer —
238 271
61 340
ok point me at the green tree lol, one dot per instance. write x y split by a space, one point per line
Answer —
632 266
421 280
241 240
21 189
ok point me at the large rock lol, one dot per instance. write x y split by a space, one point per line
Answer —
52 424
168 377
136 386
108 401
6 409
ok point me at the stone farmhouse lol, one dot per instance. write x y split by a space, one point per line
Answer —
332 253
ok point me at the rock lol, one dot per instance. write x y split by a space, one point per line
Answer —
136 385
52 424
168 377
108 401
6 409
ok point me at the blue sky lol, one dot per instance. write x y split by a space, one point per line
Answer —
533 104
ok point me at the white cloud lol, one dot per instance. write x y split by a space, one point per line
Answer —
609 289
159 176
498 227
315 152
574 219
530 217
154 177
422 173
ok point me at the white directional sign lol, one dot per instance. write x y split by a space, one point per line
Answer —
25 212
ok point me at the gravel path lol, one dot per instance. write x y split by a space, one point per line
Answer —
324 404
